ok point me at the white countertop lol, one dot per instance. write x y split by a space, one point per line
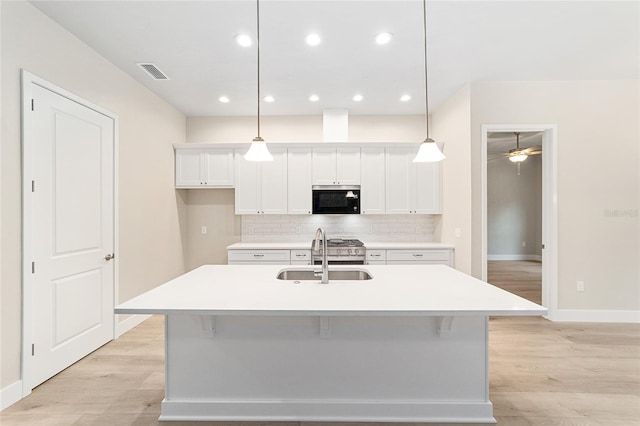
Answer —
372 245
407 290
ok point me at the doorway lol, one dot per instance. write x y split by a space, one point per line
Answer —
514 212
526 241
69 223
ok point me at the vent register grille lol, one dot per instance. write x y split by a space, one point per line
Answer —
153 71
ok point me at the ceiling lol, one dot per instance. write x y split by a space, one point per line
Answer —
192 42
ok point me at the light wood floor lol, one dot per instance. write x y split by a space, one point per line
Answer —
541 373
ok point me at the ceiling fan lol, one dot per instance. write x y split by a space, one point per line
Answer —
518 155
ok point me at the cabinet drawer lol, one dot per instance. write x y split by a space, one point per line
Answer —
418 255
375 255
298 255
259 256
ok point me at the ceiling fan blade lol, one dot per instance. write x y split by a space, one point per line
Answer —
532 150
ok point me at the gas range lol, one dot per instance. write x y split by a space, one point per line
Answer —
340 251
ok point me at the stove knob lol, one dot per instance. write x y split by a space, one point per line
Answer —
339 251
357 251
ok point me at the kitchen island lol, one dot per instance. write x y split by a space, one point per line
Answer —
409 344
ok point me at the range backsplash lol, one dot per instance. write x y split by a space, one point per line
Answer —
382 228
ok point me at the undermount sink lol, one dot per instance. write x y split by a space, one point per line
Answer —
336 274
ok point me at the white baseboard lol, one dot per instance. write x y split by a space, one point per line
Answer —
129 323
575 315
514 257
10 395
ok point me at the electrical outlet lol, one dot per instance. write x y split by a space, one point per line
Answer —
524 244
458 232
580 286
203 230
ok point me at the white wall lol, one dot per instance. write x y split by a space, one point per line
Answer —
452 126
598 180
151 214
514 207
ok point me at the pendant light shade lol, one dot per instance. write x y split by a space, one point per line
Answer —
429 151
258 150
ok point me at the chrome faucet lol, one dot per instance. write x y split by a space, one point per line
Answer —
325 263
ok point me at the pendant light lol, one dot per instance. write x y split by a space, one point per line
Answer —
429 151
258 150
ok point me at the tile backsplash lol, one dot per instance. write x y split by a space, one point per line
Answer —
382 228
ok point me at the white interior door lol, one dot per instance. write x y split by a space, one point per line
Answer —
72 238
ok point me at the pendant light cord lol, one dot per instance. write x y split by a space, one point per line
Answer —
426 74
258 45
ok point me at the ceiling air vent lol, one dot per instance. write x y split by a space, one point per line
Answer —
153 71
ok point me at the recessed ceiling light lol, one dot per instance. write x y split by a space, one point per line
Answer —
384 38
405 98
313 39
314 98
358 98
223 99
244 40
269 98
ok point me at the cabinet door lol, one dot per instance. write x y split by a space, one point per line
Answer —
188 168
348 166
247 185
218 168
273 183
372 191
324 166
299 178
427 188
397 173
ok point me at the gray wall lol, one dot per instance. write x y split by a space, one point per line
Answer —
514 207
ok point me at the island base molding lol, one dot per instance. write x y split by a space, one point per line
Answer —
329 411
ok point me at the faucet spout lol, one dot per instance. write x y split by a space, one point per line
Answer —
322 236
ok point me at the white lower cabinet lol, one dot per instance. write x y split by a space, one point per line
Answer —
265 257
261 187
376 257
420 257
300 257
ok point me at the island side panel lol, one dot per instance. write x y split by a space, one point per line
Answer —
357 368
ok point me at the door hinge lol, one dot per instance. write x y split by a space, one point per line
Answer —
33 267
32 105
33 349
33 186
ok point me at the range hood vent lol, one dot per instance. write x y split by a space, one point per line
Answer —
153 71
335 125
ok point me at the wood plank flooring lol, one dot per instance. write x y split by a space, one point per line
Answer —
541 373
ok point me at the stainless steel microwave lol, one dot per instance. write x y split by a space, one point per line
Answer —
334 199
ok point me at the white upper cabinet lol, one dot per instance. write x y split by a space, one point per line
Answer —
336 166
411 187
261 187
372 190
299 179
204 168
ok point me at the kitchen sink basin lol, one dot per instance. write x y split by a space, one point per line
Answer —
336 274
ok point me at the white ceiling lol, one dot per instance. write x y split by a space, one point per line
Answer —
193 43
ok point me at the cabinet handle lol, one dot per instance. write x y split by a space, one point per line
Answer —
258 255
301 255
418 255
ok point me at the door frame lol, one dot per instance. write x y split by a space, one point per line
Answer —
27 80
549 206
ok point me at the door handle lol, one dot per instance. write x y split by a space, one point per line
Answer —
109 256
